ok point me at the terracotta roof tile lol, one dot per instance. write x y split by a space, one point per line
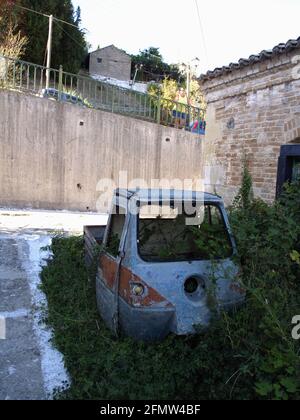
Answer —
282 48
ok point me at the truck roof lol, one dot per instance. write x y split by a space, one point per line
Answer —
155 195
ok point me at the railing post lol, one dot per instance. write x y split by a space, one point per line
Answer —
60 82
6 71
188 118
158 116
14 75
112 99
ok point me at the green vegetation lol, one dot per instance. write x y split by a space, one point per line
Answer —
266 237
168 91
151 66
248 354
69 45
165 238
166 78
12 43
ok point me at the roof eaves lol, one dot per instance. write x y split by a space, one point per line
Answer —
281 48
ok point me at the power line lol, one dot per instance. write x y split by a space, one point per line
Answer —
43 14
30 10
49 43
73 39
66 23
202 32
55 19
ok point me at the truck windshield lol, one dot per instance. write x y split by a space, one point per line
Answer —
169 234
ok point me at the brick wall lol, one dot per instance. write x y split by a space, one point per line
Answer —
252 111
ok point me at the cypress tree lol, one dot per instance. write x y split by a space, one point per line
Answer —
68 43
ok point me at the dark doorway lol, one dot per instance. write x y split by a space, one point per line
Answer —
288 165
296 169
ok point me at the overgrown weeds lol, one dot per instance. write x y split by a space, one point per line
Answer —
249 354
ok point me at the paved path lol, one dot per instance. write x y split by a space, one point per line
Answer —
30 368
20 358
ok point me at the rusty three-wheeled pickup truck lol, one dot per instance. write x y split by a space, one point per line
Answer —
166 257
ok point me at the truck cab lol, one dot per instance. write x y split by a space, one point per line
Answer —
166 263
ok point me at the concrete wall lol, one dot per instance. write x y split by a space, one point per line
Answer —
115 63
52 155
252 111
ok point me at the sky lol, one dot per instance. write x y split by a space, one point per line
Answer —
226 31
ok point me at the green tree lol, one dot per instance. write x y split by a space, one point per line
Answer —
167 89
151 66
197 97
69 46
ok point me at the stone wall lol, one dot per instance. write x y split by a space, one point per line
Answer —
114 63
252 111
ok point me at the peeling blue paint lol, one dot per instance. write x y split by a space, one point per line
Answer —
177 312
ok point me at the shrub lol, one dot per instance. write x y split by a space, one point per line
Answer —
247 354
267 236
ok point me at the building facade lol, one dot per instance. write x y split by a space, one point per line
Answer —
110 62
253 115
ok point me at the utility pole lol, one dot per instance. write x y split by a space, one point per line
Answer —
188 82
137 68
49 45
49 51
189 67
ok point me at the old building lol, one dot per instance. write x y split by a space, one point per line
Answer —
110 62
254 115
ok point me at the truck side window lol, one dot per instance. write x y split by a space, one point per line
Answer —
115 231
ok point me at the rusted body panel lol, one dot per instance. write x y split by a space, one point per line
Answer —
127 277
164 306
139 322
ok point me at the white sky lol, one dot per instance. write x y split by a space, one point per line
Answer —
232 28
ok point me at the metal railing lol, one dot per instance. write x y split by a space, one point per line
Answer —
84 91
